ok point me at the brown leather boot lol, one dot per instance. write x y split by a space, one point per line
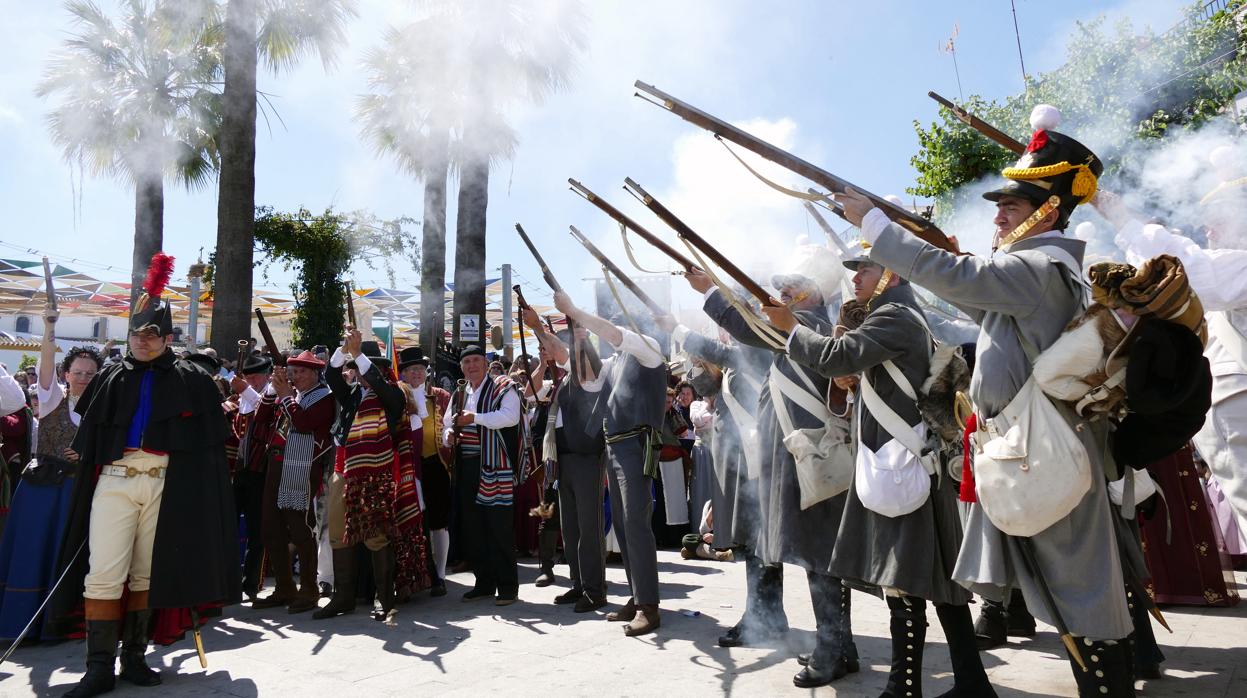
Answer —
284 590
625 614
647 621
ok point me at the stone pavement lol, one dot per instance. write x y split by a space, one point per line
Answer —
443 646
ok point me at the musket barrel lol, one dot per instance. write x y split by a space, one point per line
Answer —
623 219
545 270
907 219
684 231
612 268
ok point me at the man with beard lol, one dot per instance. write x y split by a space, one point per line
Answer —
488 435
1022 300
298 451
363 486
161 515
902 537
631 391
791 530
430 405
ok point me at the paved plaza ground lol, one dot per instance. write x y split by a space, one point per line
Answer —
534 648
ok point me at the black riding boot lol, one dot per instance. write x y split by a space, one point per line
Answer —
908 626
1145 653
547 546
383 575
133 648
969 677
827 662
764 616
101 659
990 630
1109 672
344 577
1018 619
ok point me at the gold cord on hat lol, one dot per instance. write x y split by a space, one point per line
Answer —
1084 185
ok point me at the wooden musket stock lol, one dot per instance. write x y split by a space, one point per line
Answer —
270 345
1005 140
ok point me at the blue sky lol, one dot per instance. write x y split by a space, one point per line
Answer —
839 83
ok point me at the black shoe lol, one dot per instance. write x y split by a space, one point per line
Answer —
475 594
740 635
990 630
851 664
1018 619
438 588
101 659
587 603
133 646
507 599
570 596
812 677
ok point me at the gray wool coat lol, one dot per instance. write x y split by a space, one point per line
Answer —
913 553
1026 293
787 533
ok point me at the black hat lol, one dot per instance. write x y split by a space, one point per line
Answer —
471 350
256 364
207 362
1053 165
150 313
373 351
411 356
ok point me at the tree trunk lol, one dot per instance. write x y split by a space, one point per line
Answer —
149 216
470 246
433 263
235 242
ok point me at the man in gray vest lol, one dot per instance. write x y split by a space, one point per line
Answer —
631 393
1022 300
575 447
788 532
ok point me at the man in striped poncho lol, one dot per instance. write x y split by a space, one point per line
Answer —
487 434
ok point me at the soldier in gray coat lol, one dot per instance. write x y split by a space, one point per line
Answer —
907 558
736 455
1022 299
787 533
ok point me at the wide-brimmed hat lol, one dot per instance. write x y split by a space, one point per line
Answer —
410 356
256 364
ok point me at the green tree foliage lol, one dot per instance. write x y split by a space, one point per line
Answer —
27 361
1117 87
321 250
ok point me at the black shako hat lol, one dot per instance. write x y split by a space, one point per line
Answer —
150 312
1053 164
471 350
257 364
410 356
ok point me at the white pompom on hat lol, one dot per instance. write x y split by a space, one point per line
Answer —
1085 231
1045 117
1225 161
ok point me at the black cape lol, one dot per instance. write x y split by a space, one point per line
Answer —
195 553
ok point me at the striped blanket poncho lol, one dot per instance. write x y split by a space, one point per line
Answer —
371 467
500 460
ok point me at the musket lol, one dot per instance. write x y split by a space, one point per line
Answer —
907 219
243 347
685 232
457 403
350 304
1032 565
974 122
831 233
579 353
623 219
528 369
50 289
270 344
545 270
612 268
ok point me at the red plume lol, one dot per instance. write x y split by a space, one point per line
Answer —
158 273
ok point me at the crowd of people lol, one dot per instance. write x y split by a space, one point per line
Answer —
1039 468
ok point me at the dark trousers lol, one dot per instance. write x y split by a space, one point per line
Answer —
283 528
580 508
248 501
435 483
632 504
487 534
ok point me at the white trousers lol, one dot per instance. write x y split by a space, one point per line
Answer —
123 528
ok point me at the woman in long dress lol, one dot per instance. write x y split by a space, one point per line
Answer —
41 503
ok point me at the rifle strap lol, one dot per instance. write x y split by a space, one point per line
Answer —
623 232
770 183
769 335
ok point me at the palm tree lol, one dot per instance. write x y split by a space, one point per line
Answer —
439 90
139 102
283 32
